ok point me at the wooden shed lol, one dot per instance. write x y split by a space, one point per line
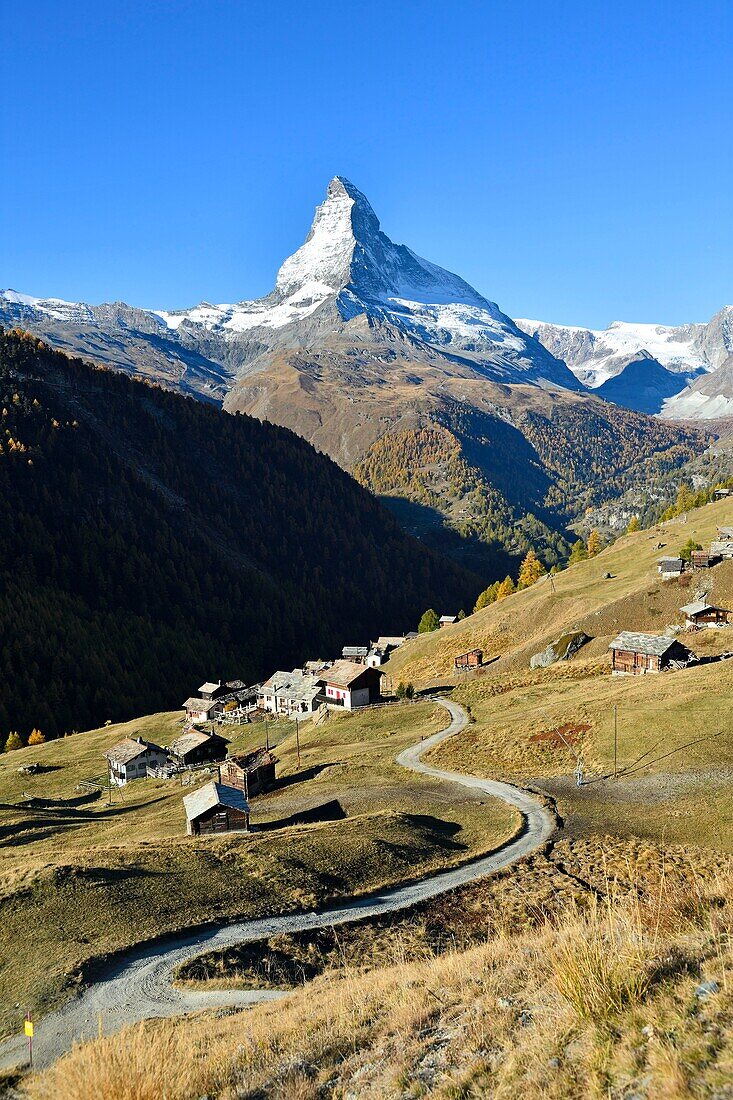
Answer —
465 661
635 654
216 808
701 613
701 559
197 747
252 772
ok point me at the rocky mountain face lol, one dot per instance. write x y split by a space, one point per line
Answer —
477 433
652 368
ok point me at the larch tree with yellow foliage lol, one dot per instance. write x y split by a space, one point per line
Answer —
530 570
595 545
506 588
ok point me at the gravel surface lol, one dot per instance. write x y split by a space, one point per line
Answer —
139 984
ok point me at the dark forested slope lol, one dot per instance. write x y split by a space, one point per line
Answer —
149 542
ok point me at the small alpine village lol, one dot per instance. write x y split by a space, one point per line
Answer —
355 681
201 860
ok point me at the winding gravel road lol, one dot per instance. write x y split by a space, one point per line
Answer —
138 985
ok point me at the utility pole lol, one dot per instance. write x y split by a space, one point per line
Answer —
267 737
297 739
615 741
28 1029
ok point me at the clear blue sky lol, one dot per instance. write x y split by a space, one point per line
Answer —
574 161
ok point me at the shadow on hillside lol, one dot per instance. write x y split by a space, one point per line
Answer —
300 777
328 811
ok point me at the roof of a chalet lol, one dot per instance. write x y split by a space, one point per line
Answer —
389 641
293 685
698 606
355 650
449 618
197 703
212 795
721 546
344 673
677 562
208 687
250 761
129 749
654 645
725 532
192 740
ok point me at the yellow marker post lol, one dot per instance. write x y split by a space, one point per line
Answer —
28 1028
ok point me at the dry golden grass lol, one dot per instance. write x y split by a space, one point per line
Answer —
544 1013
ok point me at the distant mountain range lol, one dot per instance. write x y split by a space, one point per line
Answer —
683 372
480 432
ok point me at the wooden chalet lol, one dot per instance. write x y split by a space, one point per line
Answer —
466 661
703 614
216 808
252 772
720 494
635 654
198 747
350 685
701 559
671 567
447 620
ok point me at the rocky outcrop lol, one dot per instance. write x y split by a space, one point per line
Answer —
565 647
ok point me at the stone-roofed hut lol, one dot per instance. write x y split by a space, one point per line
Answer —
198 747
635 654
251 772
216 808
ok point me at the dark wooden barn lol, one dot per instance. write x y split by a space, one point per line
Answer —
251 773
465 661
635 654
198 747
216 808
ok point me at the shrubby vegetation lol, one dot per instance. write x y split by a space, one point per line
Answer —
150 542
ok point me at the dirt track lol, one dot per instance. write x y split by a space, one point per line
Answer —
138 985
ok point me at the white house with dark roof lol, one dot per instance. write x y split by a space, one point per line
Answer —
131 758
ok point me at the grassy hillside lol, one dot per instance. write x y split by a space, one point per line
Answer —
150 541
632 996
80 878
524 719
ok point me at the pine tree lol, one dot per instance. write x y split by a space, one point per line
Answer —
429 622
595 545
13 742
685 551
36 738
530 570
506 588
634 525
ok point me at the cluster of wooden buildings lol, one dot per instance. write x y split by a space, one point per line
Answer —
136 758
721 549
